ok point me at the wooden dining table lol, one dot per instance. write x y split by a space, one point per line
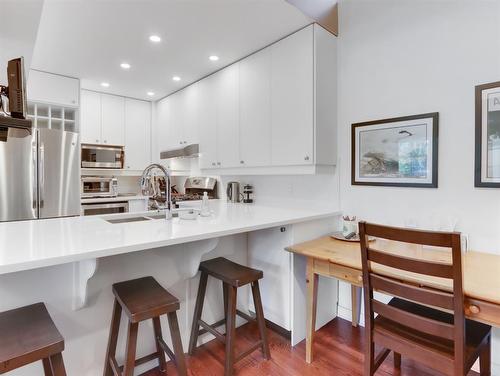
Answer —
339 259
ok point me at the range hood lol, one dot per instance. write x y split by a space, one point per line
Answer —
188 151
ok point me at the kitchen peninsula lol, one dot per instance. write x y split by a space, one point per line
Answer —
70 263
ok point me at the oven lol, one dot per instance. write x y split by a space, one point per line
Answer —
98 156
105 208
98 186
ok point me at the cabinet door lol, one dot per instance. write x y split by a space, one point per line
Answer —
190 108
137 134
175 120
227 114
207 127
161 139
53 88
90 128
292 114
113 119
255 109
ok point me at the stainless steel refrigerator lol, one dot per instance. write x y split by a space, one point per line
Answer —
39 173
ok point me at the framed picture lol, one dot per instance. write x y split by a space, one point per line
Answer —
487 156
397 152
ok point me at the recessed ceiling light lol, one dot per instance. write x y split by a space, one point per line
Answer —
213 57
150 93
176 78
105 84
154 38
125 65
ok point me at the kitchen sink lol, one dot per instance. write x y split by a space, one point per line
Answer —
127 220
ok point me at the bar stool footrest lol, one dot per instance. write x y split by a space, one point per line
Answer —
211 329
250 350
117 370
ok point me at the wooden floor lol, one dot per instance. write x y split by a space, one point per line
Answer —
338 351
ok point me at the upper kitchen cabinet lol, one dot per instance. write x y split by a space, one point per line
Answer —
51 88
103 118
255 109
292 98
113 119
137 134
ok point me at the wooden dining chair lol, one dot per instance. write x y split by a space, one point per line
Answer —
407 325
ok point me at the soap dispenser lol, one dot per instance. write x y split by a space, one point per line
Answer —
205 208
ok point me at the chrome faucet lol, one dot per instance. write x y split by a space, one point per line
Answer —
149 181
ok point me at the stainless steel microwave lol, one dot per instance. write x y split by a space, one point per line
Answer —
97 186
98 156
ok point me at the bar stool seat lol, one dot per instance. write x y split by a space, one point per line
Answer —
27 335
143 299
232 275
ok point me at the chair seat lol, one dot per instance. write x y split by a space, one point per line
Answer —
27 334
476 332
230 272
144 298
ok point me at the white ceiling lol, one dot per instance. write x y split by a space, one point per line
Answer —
18 29
89 39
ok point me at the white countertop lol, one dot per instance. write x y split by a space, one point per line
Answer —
113 199
33 244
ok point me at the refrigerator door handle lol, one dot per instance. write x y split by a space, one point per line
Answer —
41 172
35 179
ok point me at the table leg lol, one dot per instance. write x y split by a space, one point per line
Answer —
312 299
355 304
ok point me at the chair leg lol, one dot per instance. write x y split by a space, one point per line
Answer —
230 330
113 337
47 367
128 369
485 358
260 319
198 309
57 364
369 358
177 343
397 360
158 337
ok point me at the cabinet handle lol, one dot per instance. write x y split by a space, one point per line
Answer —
213 163
96 140
218 163
242 162
105 141
306 158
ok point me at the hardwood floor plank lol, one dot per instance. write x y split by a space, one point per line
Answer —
338 350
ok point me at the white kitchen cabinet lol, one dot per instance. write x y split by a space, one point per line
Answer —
113 119
292 99
137 134
90 109
227 117
190 99
207 127
255 109
53 89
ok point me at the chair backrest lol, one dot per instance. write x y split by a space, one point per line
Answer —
452 301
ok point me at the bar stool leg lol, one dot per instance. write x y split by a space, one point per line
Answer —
259 311
113 338
158 337
197 312
47 368
230 330
128 369
224 291
397 360
57 364
177 343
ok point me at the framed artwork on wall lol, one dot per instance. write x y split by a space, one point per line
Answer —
397 152
487 155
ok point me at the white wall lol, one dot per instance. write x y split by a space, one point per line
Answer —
400 57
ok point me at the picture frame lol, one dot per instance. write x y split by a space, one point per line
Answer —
396 152
487 135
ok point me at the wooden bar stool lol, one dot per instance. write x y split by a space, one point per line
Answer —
232 276
27 335
143 299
